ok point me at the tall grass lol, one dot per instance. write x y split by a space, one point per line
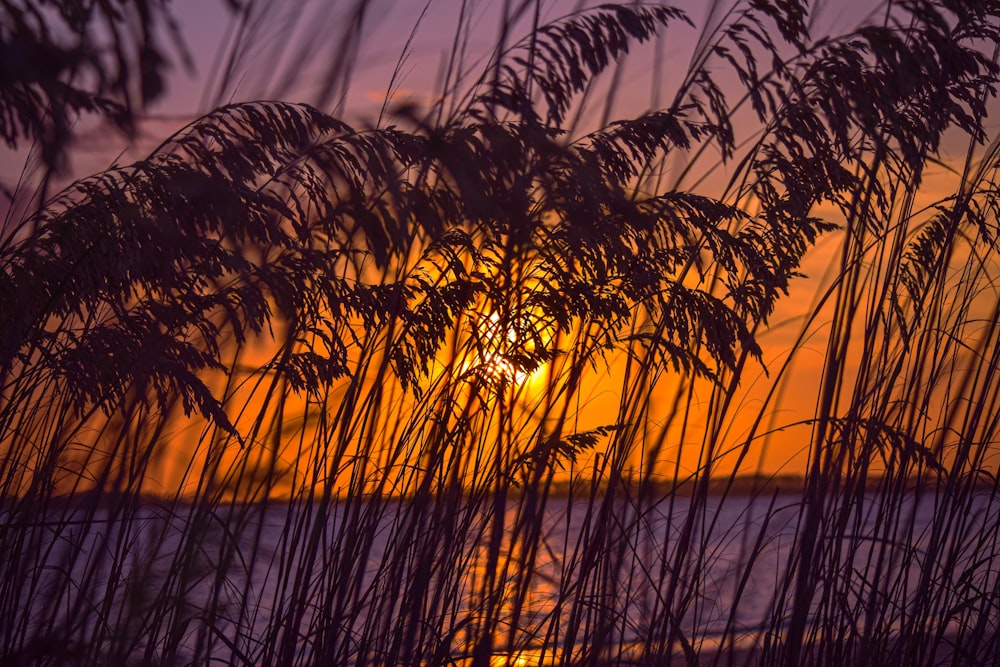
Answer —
295 392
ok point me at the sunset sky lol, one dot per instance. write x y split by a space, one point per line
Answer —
301 56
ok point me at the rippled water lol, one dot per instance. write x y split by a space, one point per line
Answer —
718 566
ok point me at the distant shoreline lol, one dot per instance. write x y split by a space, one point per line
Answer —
738 486
753 485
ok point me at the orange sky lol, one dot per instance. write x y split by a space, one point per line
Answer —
202 22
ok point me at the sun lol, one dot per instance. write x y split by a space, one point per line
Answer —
509 349
518 659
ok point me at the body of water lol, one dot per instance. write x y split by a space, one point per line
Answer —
233 582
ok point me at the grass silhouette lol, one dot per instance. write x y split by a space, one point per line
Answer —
360 358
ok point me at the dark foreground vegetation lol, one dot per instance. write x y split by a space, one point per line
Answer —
386 336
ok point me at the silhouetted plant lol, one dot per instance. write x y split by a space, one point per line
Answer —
330 326
67 58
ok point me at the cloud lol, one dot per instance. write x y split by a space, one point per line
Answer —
397 96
